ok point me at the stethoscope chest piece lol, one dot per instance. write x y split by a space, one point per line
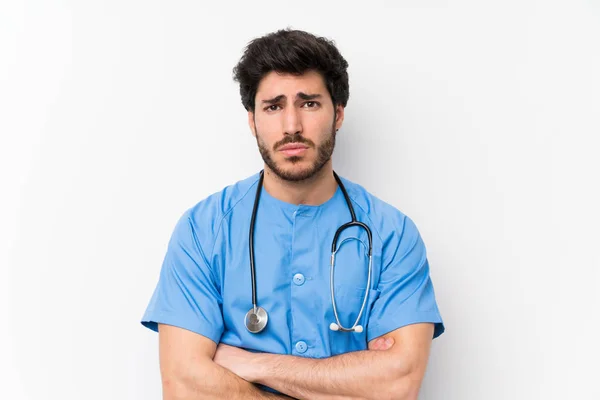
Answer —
256 319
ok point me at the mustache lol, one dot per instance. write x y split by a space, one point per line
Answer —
295 138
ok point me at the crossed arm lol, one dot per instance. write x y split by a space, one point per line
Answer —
193 367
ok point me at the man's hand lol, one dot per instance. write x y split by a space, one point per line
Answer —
243 363
236 360
381 343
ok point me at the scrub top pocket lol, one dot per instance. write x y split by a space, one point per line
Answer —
348 303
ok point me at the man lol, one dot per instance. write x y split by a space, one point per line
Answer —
229 331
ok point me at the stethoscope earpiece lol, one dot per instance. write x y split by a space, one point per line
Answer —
335 327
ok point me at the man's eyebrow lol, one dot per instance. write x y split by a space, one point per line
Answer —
305 96
274 100
301 95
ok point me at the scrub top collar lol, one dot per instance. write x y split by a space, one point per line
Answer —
306 210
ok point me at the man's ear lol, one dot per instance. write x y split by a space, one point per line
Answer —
339 116
251 123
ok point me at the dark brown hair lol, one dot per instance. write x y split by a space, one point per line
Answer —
295 52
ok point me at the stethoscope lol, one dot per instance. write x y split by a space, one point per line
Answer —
256 319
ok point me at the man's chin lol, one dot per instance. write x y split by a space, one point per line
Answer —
294 172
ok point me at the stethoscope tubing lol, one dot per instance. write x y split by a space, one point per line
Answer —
256 309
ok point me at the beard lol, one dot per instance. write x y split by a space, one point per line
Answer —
324 152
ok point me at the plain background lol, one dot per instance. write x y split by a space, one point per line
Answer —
479 120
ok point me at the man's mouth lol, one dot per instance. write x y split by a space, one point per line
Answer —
293 149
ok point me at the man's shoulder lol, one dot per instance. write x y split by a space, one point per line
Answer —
384 216
220 203
206 215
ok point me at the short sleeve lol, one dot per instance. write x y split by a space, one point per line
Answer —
406 290
186 295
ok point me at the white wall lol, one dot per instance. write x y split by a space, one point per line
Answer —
479 120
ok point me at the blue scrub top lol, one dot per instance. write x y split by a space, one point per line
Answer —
205 285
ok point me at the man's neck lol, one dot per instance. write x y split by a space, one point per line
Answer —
313 191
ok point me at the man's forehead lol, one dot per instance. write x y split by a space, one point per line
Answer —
287 84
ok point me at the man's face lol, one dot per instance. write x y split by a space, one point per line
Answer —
294 124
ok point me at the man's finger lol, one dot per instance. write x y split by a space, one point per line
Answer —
387 343
382 344
374 345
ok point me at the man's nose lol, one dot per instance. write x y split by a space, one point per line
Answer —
292 121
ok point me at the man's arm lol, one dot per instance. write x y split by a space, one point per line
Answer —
396 373
188 371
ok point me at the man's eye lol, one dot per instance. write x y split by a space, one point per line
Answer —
272 107
311 104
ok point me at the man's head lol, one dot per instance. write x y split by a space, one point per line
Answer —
294 86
